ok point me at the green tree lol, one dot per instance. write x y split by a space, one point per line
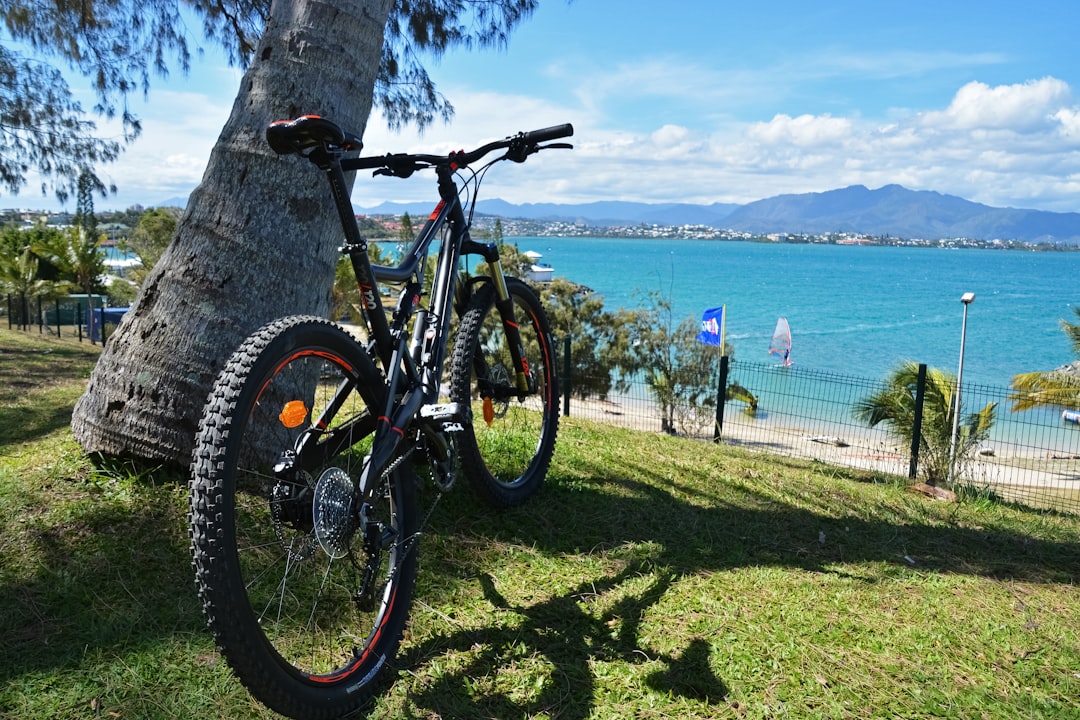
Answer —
76 255
150 238
85 218
681 372
32 265
19 278
119 45
894 407
599 340
406 234
1054 388
78 259
345 300
257 239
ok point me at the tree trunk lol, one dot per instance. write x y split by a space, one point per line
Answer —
258 240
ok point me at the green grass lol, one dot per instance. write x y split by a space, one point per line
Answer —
653 577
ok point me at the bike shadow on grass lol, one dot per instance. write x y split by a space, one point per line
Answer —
113 581
646 535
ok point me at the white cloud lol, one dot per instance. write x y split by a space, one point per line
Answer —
1069 121
801 131
1020 107
1016 145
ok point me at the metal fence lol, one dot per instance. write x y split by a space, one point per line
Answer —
1031 457
73 316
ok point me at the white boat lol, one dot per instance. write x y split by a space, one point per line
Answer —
538 271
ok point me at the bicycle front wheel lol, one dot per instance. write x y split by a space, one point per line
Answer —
506 450
306 588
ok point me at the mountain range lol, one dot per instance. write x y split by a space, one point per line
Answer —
889 210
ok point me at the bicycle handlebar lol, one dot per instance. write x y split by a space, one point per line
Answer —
311 132
518 148
550 133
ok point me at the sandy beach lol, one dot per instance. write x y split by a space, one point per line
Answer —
1035 476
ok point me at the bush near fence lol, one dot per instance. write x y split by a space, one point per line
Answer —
1031 457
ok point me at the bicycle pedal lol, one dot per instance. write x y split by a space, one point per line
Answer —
441 411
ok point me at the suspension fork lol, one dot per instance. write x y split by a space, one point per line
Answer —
505 305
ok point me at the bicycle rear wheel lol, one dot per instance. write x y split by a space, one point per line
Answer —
307 593
506 450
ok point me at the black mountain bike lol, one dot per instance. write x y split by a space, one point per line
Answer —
304 505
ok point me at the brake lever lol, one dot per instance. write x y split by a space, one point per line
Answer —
519 153
396 169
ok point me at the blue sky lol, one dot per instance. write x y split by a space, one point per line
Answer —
717 101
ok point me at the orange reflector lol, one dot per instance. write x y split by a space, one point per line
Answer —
489 411
293 413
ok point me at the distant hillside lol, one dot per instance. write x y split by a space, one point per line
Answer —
890 210
894 210
597 213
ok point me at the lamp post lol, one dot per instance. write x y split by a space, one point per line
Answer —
966 299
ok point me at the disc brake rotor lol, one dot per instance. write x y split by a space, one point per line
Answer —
499 376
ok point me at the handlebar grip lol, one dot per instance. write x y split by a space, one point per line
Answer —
551 133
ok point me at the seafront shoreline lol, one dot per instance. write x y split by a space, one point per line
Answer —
1011 471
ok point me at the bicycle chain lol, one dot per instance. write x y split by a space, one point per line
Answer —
410 542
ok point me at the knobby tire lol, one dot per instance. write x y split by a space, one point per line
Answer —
506 450
287 601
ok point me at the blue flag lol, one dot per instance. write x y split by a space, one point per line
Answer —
712 326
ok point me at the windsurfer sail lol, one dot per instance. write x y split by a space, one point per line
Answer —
781 342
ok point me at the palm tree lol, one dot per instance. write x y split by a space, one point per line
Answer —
1055 388
894 406
78 257
19 276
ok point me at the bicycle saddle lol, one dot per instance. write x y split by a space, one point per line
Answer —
287 137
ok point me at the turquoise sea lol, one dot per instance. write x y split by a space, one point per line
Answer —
853 310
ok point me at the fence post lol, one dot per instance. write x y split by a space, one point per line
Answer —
40 318
916 430
9 318
56 304
567 379
78 319
721 399
101 314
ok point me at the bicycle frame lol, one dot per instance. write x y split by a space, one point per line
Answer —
304 503
413 364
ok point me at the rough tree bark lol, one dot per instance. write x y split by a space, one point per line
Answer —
259 238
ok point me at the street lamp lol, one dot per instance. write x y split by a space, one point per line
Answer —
967 299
